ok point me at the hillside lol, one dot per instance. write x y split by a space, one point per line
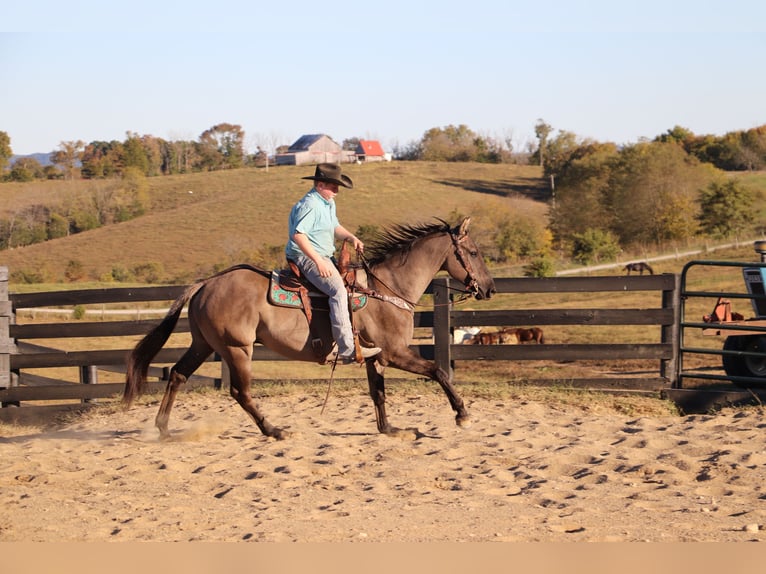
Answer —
199 221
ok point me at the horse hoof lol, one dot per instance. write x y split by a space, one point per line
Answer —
280 434
404 434
463 422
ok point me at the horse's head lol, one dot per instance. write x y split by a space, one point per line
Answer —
466 264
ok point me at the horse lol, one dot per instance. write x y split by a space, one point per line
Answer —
527 335
480 338
639 268
228 312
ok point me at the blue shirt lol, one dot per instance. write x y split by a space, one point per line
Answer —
315 217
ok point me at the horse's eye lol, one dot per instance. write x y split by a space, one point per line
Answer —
474 253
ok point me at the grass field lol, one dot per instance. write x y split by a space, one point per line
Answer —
199 221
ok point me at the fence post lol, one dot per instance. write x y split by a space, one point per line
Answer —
88 376
7 345
442 334
670 369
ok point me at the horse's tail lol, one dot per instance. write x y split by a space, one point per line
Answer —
541 340
148 347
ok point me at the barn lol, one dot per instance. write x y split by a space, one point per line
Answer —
371 150
313 149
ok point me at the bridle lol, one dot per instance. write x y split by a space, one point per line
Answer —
470 283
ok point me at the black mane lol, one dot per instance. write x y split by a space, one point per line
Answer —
399 238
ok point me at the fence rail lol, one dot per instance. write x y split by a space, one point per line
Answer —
18 354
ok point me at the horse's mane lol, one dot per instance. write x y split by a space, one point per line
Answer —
399 239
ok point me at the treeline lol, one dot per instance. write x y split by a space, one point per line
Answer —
222 147
606 198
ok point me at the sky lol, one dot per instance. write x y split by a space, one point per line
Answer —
617 70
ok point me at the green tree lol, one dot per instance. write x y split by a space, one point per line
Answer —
582 188
519 237
454 143
726 208
542 131
58 226
652 193
222 146
5 151
26 169
134 153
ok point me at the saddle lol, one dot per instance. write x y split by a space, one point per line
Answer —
289 288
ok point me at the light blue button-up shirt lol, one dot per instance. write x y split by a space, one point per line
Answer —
315 217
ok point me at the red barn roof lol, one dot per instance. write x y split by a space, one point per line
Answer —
370 147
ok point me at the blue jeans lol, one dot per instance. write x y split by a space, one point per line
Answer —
334 288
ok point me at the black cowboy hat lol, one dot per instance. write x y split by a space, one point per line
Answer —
330 172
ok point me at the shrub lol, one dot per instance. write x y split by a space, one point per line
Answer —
594 245
149 272
74 271
121 274
542 266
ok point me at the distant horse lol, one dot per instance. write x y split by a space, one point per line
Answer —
230 311
509 336
489 338
528 335
639 268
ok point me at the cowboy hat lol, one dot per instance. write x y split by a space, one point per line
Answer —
330 172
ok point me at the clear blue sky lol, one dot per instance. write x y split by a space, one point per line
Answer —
388 70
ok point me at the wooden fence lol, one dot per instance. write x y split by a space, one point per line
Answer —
18 354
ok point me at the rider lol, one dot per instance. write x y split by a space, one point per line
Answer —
313 229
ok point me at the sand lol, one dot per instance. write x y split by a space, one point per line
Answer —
524 471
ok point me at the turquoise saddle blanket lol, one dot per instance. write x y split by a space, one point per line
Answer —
278 295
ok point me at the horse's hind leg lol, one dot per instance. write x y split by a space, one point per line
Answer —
181 371
239 360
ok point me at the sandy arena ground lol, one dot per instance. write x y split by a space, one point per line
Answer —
524 471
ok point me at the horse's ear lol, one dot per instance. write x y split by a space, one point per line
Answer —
464 227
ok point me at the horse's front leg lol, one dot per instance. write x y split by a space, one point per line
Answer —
409 361
377 384
462 418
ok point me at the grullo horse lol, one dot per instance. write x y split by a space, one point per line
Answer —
230 311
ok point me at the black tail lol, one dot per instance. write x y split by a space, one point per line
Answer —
148 347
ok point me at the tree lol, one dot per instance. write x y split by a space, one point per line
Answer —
102 159
5 151
582 186
653 192
134 153
222 146
542 131
350 144
26 169
68 156
726 208
454 143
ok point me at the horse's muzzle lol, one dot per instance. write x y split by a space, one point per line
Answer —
480 293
